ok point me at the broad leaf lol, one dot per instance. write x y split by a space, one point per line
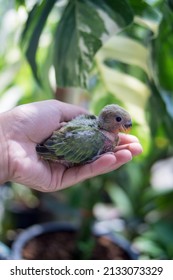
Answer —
33 29
83 28
126 50
162 63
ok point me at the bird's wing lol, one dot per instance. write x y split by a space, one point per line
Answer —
75 145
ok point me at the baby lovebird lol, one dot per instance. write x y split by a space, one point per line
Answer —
86 137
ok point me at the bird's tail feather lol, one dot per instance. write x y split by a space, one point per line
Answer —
44 152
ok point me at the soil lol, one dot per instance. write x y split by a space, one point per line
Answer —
61 246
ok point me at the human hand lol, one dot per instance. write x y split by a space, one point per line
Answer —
25 126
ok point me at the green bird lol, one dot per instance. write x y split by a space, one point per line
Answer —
86 137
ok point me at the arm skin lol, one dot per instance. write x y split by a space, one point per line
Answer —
26 125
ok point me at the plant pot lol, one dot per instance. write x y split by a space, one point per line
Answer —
57 240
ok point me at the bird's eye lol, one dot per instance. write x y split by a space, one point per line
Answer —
118 119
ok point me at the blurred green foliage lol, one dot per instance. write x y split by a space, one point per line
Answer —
119 52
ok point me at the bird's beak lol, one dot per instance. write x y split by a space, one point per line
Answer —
127 126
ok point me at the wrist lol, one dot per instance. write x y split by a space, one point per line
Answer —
4 170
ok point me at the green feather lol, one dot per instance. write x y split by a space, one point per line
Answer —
79 141
75 144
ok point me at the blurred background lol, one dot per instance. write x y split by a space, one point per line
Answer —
111 52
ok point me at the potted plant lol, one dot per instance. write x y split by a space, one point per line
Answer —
57 241
80 239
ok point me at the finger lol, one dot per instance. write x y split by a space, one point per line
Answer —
127 138
134 148
104 164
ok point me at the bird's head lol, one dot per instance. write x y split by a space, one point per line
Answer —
114 118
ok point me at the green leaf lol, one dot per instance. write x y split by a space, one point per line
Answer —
162 52
19 3
170 3
162 63
83 28
148 246
164 229
146 14
160 111
121 200
126 50
32 31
